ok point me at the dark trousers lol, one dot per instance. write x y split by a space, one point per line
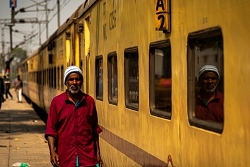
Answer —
1 99
7 92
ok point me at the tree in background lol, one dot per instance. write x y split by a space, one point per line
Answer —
18 56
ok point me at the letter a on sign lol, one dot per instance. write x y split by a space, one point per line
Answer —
162 15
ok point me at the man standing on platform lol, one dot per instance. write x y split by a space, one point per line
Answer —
72 127
1 90
7 87
18 83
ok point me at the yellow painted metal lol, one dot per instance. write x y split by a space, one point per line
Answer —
116 25
133 24
77 57
67 51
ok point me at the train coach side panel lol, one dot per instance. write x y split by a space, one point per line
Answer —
175 138
134 136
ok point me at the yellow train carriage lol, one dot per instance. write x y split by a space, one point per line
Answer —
53 57
147 123
23 72
140 61
33 65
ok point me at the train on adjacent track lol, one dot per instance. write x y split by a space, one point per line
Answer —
140 60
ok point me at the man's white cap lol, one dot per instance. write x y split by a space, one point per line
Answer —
208 68
69 70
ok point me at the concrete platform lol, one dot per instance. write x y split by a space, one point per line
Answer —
22 135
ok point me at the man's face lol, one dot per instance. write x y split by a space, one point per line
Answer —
209 81
74 83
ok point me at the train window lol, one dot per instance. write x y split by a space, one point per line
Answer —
58 78
112 78
99 78
38 79
47 77
51 78
160 79
62 75
205 79
44 77
54 78
131 73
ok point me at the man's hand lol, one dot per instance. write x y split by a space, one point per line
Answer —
99 159
54 159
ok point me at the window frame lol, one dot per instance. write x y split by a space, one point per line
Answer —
99 95
127 53
215 32
111 98
153 110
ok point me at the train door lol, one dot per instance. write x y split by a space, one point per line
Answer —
77 46
87 55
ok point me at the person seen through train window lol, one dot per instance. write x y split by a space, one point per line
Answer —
72 129
7 87
209 102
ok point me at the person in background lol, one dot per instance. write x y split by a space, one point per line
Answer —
18 84
7 87
209 102
72 129
1 91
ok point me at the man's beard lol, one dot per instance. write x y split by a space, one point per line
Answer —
72 90
209 89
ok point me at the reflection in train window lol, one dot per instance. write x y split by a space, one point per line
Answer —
99 77
112 78
131 74
160 79
205 79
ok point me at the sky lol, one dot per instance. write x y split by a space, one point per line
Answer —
29 30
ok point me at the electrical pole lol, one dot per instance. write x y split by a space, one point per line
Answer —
58 13
40 43
10 25
2 55
2 38
47 24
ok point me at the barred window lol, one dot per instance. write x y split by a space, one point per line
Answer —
99 78
131 78
112 78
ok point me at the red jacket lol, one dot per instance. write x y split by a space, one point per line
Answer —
213 110
74 128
